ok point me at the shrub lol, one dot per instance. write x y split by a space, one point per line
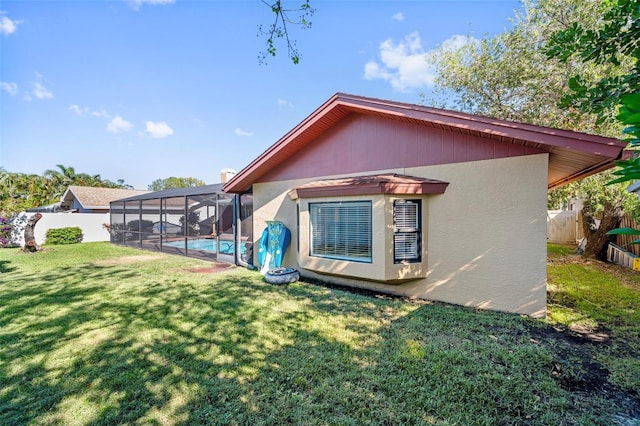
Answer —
71 235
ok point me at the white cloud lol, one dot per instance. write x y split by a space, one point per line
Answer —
79 111
457 41
41 92
284 102
7 26
100 114
238 131
135 4
38 90
118 125
406 65
398 16
10 88
158 130
86 111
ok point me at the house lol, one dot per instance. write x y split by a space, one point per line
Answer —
85 199
419 202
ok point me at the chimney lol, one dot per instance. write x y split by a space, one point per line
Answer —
226 174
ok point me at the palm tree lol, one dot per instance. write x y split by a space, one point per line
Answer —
60 180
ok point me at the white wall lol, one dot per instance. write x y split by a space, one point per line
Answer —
90 223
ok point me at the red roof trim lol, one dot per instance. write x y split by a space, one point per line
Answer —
340 105
370 185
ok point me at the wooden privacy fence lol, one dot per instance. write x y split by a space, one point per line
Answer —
624 241
565 227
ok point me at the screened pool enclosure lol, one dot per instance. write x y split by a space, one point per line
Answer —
202 222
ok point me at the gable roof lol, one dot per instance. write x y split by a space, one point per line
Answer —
572 155
95 198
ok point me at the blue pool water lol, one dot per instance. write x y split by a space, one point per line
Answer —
205 244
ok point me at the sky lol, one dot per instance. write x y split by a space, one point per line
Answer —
141 90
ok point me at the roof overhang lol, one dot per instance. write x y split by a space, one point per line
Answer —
394 184
572 155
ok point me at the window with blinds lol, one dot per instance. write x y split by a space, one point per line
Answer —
341 230
406 231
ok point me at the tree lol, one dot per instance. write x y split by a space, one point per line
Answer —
615 43
65 175
20 191
30 244
511 76
60 180
175 182
280 28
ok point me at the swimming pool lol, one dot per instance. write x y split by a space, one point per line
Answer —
204 244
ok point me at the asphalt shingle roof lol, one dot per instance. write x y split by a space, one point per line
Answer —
96 198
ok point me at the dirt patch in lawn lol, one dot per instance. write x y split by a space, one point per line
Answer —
577 369
574 366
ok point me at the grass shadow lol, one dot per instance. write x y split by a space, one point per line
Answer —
4 266
150 342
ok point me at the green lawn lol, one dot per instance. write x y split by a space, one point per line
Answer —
97 334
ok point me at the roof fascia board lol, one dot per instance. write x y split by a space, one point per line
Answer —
237 184
543 136
592 144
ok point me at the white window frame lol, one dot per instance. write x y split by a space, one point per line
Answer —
407 231
341 230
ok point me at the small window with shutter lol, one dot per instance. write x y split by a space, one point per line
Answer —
406 231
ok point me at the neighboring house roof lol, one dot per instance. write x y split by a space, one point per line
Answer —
572 155
92 198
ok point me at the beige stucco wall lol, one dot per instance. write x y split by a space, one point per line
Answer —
484 239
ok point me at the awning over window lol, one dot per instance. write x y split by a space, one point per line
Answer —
369 185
